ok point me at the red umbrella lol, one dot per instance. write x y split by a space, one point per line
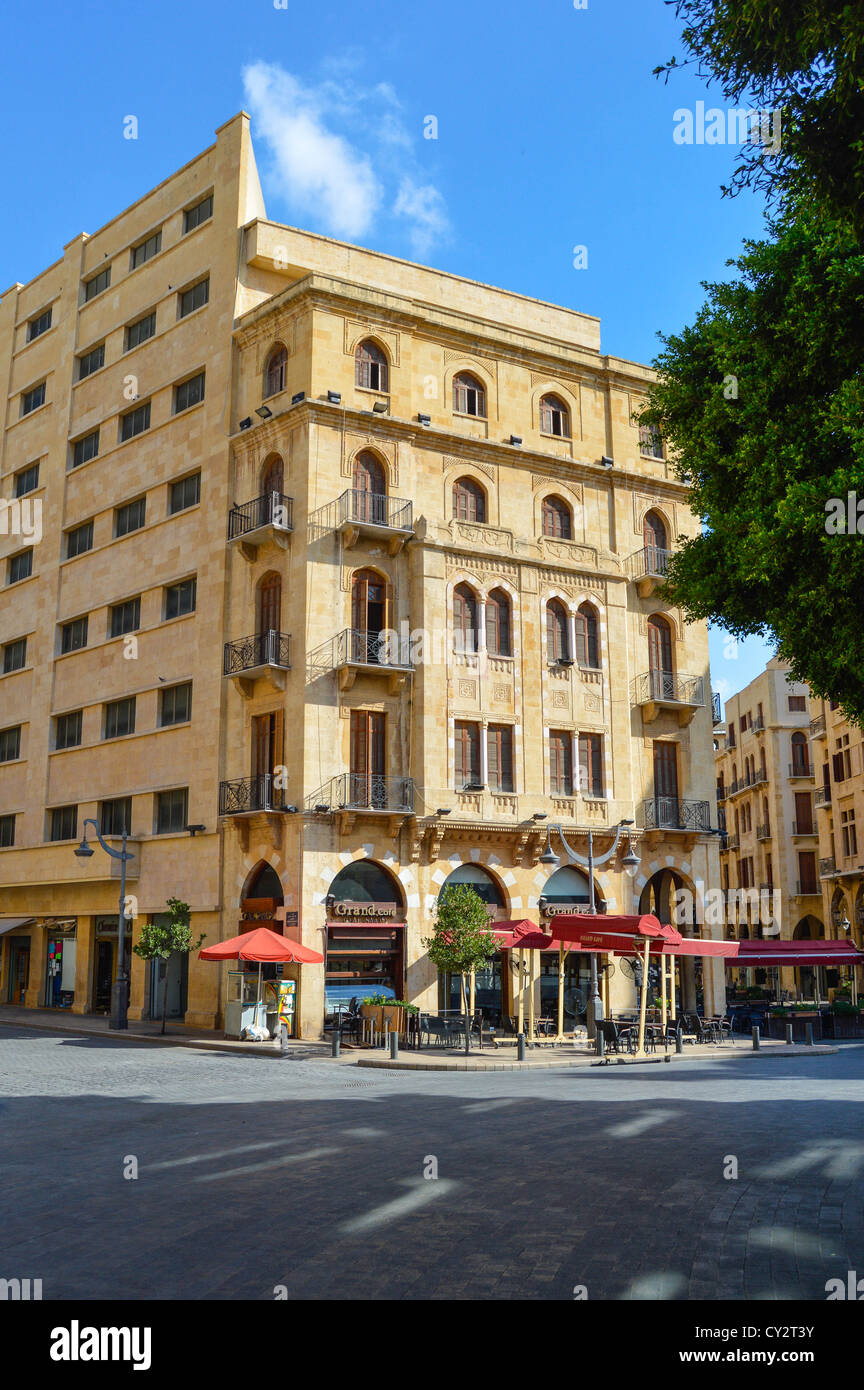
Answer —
262 944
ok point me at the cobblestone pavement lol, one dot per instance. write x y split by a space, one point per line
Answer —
308 1177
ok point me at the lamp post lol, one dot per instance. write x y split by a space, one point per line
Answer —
120 988
630 864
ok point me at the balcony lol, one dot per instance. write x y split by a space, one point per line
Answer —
353 794
807 888
721 792
374 514
648 567
263 655
732 842
661 813
803 828
266 518
822 796
763 832
716 712
827 868
372 654
250 794
817 727
797 770
655 691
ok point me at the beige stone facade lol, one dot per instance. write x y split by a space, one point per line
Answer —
381 447
839 795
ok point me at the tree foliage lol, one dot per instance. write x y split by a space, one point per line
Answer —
804 58
461 940
159 940
762 403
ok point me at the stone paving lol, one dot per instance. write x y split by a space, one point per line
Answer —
307 1177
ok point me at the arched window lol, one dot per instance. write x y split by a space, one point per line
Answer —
469 500
587 644
370 367
370 489
654 534
554 417
557 632
498 638
556 518
273 477
800 755
464 619
270 603
369 606
469 395
659 645
274 375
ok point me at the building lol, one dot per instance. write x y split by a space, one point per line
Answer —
839 797
350 583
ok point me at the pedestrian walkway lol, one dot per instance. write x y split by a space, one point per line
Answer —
147 1031
506 1058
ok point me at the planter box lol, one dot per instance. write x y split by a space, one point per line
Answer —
775 1025
843 1025
393 1013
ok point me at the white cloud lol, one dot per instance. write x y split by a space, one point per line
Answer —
342 156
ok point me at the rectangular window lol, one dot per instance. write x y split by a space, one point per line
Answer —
120 718
467 746
130 517
138 332
10 744
135 422
194 298
115 816
32 399
27 480
590 765
63 823
20 566
499 757
145 250
36 327
201 212
171 811
560 763
124 617
807 879
7 832
67 730
175 705
91 361
185 493
85 448
650 441
97 283
797 703
850 838
73 636
15 655
180 598
79 540
189 393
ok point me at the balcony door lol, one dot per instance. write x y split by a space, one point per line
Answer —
367 777
370 501
267 754
654 541
274 477
666 782
369 611
270 604
660 658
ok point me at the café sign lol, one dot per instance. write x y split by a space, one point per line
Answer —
557 909
357 912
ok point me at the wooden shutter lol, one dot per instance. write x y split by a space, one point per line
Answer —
659 645
560 764
803 813
666 770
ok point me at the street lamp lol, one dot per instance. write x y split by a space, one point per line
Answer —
630 865
120 988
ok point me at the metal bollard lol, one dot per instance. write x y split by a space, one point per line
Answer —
520 1048
755 1038
600 1042
394 1047
679 1040
809 1034
335 1043
789 1034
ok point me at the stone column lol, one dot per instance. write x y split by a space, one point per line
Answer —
84 963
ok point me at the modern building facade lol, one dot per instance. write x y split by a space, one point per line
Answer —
349 584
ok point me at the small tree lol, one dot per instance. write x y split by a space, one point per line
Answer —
159 940
461 940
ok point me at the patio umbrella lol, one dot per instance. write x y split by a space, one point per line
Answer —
261 945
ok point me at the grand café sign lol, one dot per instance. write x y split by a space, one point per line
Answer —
347 910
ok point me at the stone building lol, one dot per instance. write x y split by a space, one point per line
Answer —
349 585
839 797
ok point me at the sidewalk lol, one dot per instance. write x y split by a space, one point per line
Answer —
505 1058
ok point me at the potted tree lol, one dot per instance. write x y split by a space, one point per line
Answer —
461 941
159 940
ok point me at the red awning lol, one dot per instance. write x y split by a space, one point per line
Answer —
752 953
587 932
262 945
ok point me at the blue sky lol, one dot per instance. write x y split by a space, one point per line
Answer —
551 134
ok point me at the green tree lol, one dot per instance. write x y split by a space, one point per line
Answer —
159 940
761 401
461 941
803 58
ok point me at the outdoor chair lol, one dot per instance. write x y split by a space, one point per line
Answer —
703 1028
433 1027
723 1027
615 1038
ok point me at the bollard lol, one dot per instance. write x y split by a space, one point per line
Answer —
520 1048
789 1034
809 1034
394 1047
755 1038
600 1043
679 1040
385 1033
334 1043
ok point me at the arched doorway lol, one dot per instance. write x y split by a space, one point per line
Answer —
566 890
269 604
369 613
658 898
273 477
488 992
365 934
370 489
810 980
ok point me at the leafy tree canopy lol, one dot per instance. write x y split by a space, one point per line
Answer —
461 940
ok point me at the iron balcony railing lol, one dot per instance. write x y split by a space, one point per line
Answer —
807 888
375 509
670 813
649 561
732 842
362 791
271 509
822 796
763 832
817 726
353 647
800 769
269 648
827 867
716 712
667 688
721 792
250 794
